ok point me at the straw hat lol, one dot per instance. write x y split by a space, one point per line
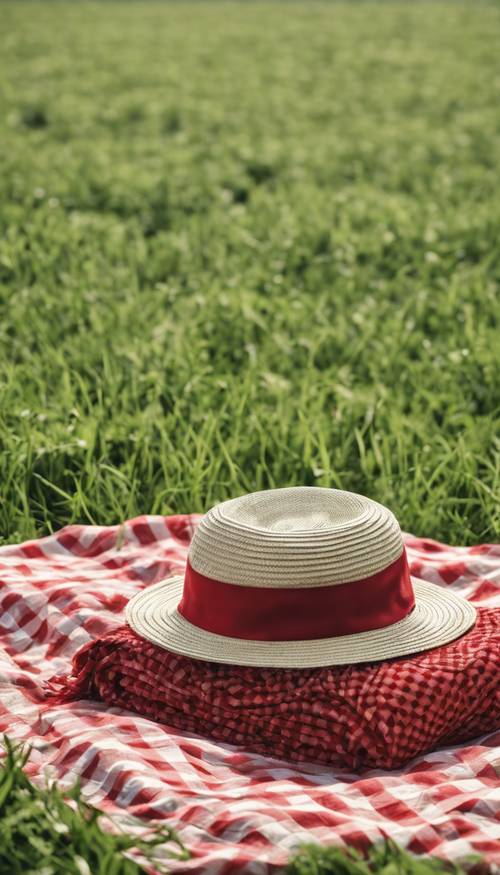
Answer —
296 578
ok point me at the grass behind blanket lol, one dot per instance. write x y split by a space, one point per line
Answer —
245 245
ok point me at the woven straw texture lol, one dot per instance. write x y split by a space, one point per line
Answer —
298 537
237 811
302 535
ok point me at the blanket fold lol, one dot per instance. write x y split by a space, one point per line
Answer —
377 715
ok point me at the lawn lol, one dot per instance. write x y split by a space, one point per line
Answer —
246 245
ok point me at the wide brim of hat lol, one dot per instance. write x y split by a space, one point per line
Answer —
439 616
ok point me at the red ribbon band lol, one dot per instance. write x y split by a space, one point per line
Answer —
294 614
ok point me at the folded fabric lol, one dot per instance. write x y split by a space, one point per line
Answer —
363 716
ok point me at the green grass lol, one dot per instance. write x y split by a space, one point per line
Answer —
384 858
246 245
46 831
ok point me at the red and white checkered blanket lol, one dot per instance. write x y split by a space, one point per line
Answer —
236 811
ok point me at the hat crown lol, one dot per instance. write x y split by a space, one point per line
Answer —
297 536
296 509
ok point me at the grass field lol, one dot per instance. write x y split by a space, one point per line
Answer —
245 245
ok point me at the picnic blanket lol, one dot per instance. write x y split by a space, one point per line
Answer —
236 811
